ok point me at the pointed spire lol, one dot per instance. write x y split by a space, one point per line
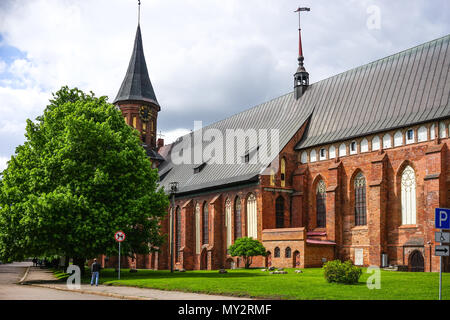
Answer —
301 77
136 85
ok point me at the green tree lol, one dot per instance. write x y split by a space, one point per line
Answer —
247 248
80 176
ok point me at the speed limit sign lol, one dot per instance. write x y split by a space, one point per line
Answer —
119 236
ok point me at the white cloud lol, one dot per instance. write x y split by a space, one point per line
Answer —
207 59
173 135
2 66
3 161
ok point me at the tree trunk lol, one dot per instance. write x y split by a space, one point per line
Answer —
80 263
66 263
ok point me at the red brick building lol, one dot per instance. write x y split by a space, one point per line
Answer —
360 162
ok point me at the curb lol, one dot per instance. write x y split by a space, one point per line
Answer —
24 276
113 295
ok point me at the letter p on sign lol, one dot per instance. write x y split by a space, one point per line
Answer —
442 218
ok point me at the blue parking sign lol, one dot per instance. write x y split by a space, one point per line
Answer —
442 219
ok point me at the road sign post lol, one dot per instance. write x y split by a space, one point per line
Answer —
442 221
119 236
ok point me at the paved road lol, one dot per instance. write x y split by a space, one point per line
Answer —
10 274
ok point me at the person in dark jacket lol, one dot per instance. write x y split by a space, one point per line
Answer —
95 269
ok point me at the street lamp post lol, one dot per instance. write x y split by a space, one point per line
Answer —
173 191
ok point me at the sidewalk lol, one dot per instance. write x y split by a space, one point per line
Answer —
45 278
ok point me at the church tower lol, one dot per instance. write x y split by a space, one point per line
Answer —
137 100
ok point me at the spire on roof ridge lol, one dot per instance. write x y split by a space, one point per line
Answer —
301 77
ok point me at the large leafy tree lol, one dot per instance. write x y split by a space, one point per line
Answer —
247 248
80 176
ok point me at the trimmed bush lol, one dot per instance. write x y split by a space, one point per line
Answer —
341 272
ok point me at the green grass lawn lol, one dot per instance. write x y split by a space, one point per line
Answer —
308 285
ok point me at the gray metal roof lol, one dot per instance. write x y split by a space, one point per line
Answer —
403 89
283 113
406 88
136 85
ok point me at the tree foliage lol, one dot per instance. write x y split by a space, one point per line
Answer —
80 176
247 248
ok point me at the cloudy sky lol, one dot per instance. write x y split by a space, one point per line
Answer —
208 59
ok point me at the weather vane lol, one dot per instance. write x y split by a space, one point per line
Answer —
139 11
300 49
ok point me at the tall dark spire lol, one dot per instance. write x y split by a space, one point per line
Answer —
301 77
137 85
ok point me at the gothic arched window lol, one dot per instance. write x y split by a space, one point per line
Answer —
283 172
197 229
288 252
320 204
237 218
276 252
279 212
228 221
252 217
272 177
408 196
360 200
205 221
178 234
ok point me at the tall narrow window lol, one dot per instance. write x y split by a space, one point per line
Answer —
197 229
320 204
237 219
178 234
276 252
228 222
288 252
252 217
283 172
408 196
279 212
134 122
272 177
360 200
205 221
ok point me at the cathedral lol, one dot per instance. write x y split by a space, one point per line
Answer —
360 162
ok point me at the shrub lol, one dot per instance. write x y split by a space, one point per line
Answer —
247 248
341 272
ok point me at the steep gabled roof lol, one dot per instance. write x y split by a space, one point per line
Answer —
283 113
404 89
136 85
407 88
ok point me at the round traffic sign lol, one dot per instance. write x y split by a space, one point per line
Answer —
119 236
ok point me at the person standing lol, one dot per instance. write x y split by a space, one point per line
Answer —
95 269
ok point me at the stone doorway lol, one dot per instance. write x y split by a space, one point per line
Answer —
296 259
268 259
416 262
